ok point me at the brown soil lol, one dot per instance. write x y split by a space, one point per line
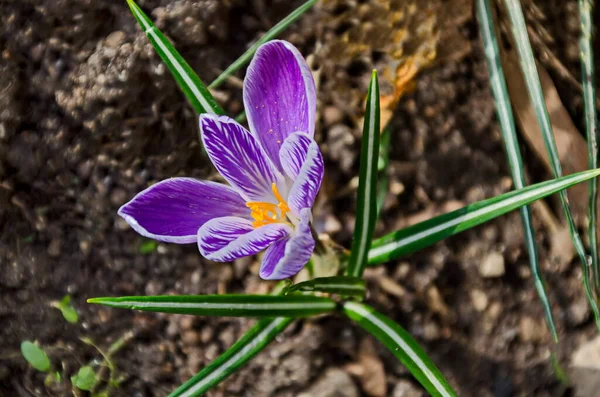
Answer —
89 116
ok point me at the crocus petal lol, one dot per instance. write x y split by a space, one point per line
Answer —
303 163
173 210
287 257
229 238
239 158
279 96
293 153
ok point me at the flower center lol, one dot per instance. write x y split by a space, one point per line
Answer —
265 213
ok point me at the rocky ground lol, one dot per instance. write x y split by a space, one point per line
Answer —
89 116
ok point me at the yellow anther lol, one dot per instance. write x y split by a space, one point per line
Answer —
265 213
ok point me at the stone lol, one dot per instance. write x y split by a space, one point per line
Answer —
532 330
479 300
492 266
332 115
405 388
584 370
333 383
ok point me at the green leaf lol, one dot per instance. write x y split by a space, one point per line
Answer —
536 95
85 378
249 345
426 233
271 34
366 207
67 310
591 124
341 285
35 356
511 144
148 246
225 305
194 89
402 345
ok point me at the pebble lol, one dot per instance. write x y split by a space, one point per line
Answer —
121 224
334 382
206 334
583 372
479 300
492 266
118 197
154 287
85 247
405 388
578 311
115 39
54 248
332 224
531 330
190 338
332 115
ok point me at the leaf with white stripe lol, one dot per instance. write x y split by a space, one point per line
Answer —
194 89
403 346
225 305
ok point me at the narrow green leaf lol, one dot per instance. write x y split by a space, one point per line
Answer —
341 285
68 311
536 95
403 346
35 356
426 233
511 144
366 211
194 89
85 378
591 124
249 345
225 305
271 34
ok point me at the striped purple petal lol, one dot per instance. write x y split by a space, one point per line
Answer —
287 257
229 238
279 96
173 210
303 163
239 158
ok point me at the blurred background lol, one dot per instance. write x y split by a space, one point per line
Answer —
89 116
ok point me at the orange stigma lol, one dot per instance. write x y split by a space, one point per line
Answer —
265 213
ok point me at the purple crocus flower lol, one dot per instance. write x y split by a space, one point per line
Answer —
274 172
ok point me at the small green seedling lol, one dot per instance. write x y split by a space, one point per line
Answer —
67 310
85 378
35 356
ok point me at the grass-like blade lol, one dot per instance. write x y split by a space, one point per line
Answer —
225 305
366 207
536 95
591 124
340 285
248 346
194 89
426 233
403 346
511 144
271 34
